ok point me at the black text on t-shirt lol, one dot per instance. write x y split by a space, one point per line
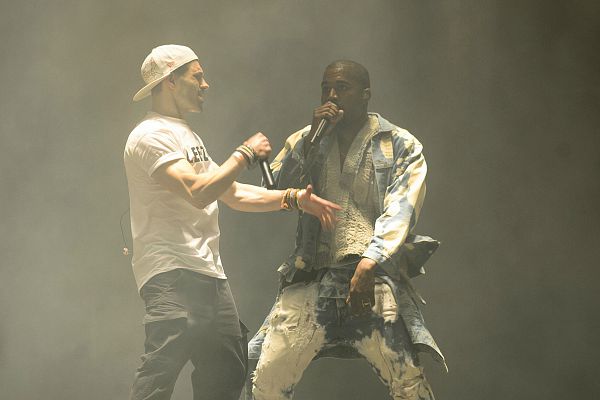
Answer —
197 154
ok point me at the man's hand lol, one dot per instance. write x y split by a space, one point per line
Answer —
260 144
329 111
362 287
320 208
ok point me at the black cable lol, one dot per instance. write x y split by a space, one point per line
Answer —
125 248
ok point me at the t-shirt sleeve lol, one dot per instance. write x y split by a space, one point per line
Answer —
155 149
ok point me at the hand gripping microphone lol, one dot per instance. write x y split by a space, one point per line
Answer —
320 128
264 164
323 126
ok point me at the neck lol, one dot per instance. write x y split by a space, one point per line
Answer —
351 127
166 107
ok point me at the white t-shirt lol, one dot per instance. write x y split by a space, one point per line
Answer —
168 232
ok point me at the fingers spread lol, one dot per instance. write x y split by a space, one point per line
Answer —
333 205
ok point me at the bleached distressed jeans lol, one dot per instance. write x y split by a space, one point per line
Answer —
302 324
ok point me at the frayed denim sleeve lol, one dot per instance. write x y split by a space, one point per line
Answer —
402 204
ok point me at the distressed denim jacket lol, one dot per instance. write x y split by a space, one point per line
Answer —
399 173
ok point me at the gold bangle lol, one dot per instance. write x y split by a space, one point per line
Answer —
301 191
288 199
284 200
295 199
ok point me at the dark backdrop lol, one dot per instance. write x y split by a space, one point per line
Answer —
504 96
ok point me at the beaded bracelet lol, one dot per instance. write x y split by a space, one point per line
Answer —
290 199
285 204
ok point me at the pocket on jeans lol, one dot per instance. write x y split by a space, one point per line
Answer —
163 300
160 283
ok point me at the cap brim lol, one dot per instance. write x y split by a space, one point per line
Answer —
145 91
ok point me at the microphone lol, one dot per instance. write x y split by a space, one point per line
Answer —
267 174
320 128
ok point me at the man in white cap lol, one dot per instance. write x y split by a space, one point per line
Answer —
173 188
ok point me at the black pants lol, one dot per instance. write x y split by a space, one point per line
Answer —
191 317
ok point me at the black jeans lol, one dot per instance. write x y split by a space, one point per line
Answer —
190 316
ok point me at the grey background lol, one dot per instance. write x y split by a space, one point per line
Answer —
504 96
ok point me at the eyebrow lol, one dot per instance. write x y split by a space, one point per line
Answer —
323 83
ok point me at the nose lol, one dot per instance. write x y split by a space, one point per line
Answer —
204 84
332 95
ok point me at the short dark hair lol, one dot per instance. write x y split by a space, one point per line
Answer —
177 72
358 71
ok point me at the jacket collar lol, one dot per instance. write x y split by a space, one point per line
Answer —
384 124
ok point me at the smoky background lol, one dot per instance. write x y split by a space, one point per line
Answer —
504 96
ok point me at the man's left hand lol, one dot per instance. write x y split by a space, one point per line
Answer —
322 209
362 287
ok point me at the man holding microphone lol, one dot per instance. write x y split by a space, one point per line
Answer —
173 187
347 292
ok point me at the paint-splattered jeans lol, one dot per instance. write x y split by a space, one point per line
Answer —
302 324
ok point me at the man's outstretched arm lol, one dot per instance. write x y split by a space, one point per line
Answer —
249 198
201 189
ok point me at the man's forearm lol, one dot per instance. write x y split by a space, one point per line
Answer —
209 188
201 189
249 198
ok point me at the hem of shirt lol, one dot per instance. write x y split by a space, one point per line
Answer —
162 270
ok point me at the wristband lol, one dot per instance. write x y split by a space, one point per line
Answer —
238 155
248 153
289 200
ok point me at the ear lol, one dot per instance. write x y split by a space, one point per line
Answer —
170 80
366 95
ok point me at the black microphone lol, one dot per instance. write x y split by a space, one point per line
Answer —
320 128
267 174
